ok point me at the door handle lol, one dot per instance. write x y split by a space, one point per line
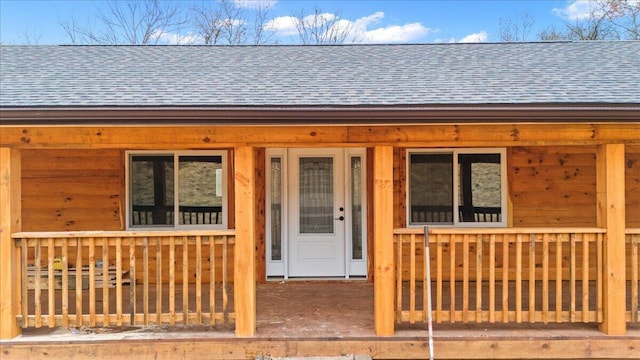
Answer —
341 218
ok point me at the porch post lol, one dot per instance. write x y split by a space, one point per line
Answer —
611 216
10 222
244 269
383 272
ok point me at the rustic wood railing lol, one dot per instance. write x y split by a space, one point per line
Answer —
633 246
75 279
501 275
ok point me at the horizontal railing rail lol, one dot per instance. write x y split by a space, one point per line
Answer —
144 215
501 275
116 278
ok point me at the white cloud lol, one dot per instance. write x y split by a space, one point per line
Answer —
578 10
395 33
475 38
283 25
177 39
366 20
387 34
255 4
319 19
286 26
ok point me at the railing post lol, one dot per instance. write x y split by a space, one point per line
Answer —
244 258
10 222
383 273
610 184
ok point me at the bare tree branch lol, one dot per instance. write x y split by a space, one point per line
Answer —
223 22
517 29
31 36
624 15
551 33
321 28
594 27
128 22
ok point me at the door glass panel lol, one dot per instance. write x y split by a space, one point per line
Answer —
151 190
200 181
316 195
276 206
431 194
356 208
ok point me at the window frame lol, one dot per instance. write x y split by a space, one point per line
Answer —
176 157
455 152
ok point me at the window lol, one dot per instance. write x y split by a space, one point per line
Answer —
465 187
178 190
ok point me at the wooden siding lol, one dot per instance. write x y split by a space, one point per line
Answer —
632 188
84 190
553 186
69 190
548 186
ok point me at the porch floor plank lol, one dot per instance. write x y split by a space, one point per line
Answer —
326 318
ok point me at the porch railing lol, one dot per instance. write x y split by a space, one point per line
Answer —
501 275
75 279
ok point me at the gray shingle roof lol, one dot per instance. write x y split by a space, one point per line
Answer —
428 74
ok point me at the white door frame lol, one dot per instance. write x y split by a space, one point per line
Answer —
279 268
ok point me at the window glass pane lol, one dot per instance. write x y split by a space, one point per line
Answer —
431 192
480 187
200 188
151 190
316 195
356 208
276 207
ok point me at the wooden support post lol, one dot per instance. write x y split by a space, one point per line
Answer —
244 259
610 185
384 276
10 222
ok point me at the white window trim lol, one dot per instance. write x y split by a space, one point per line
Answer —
456 202
356 267
277 267
176 155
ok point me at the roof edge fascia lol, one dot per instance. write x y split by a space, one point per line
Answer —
320 115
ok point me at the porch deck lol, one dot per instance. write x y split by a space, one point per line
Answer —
322 319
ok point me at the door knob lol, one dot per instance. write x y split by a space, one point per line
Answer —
341 218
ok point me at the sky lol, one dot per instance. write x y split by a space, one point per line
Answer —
399 21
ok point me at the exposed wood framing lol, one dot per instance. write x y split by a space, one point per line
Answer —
384 281
370 234
203 137
10 222
244 260
611 215
261 240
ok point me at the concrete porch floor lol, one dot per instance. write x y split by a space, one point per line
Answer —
323 318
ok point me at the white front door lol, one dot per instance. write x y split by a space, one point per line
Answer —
317 213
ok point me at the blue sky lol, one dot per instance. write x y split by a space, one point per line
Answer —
416 21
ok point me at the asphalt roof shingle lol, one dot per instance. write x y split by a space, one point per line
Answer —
348 75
